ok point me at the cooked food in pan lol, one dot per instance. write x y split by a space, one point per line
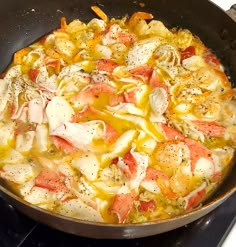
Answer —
116 120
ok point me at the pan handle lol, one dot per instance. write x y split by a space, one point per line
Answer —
232 12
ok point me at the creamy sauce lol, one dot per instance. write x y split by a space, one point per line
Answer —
117 121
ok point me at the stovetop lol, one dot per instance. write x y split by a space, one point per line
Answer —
17 230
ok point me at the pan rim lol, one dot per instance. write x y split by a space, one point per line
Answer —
217 201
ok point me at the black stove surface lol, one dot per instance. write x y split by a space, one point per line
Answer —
17 230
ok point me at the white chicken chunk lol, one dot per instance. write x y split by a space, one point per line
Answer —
121 145
88 165
24 141
158 100
6 132
12 157
193 63
58 111
141 52
41 137
204 168
18 173
81 135
97 24
168 59
126 108
4 93
64 46
36 110
40 197
150 186
78 209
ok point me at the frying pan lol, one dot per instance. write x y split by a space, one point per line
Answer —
24 21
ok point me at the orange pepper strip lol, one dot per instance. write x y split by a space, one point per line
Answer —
100 13
228 95
63 23
18 56
139 16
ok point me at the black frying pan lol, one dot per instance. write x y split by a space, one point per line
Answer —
24 21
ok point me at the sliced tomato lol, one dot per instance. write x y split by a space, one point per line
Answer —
116 99
130 97
33 74
122 205
195 198
155 81
2 75
146 206
62 144
151 174
211 59
171 133
106 65
127 165
50 180
126 97
187 53
115 161
197 151
210 128
144 71
100 87
88 95
125 38
131 163
43 39
111 134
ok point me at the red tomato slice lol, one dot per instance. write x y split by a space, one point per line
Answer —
85 113
88 95
152 174
171 133
130 97
126 97
106 65
147 206
143 70
125 38
50 180
131 163
187 53
212 129
211 59
116 99
111 134
2 75
155 80
121 205
62 144
195 199
197 151
33 74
